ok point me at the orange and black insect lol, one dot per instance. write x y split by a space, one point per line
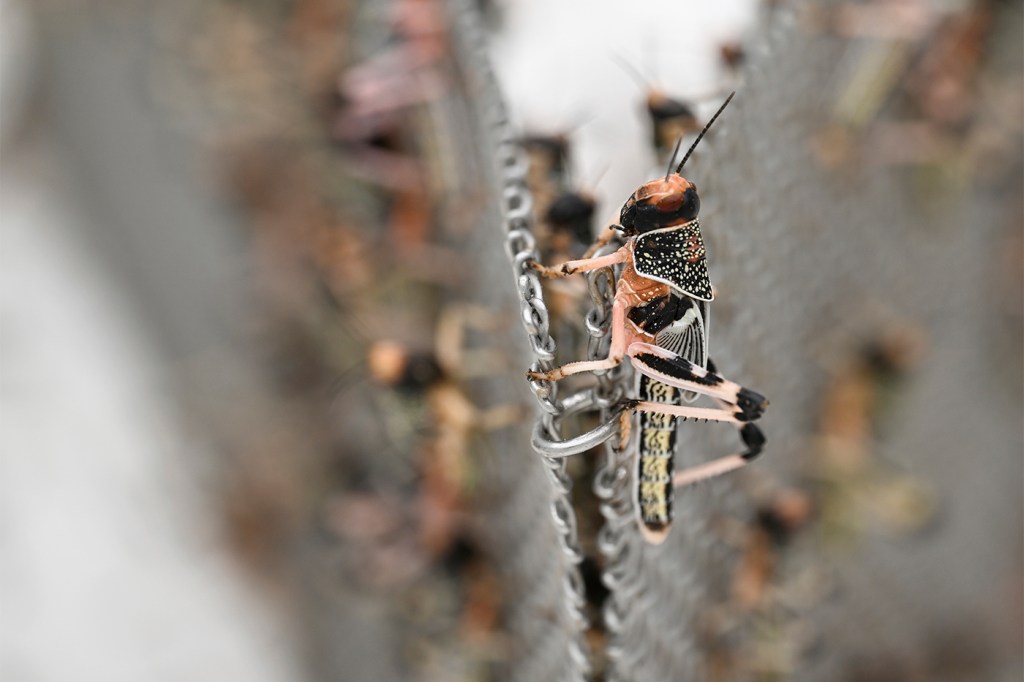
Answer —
568 214
664 286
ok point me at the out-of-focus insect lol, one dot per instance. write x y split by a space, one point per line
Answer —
777 520
563 223
438 377
393 118
564 216
570 217
564 213
547 161
671 117
861 489
760 631
568 223
378 97
664 284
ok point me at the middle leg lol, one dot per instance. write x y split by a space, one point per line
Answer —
616 352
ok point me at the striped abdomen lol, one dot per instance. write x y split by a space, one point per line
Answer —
656 444
679 325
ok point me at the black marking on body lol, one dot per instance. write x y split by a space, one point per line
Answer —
676 257
646 216
660 313
753 439
679 368
751 404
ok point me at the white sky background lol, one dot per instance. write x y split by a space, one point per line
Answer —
556 61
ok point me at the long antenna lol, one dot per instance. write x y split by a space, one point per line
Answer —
673 157
701 136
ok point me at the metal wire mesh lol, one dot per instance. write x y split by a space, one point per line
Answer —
811 264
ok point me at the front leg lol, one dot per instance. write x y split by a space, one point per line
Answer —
582 265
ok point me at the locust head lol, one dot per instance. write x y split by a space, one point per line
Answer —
665 202
660 203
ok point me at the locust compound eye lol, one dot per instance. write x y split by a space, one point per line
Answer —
690 205
628 215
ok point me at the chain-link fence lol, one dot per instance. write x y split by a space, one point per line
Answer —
874 300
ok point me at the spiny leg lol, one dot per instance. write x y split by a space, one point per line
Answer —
752 438
667 367
583 265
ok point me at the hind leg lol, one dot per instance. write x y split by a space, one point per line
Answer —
738 405
667 367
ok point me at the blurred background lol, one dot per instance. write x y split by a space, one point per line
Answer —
263 406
